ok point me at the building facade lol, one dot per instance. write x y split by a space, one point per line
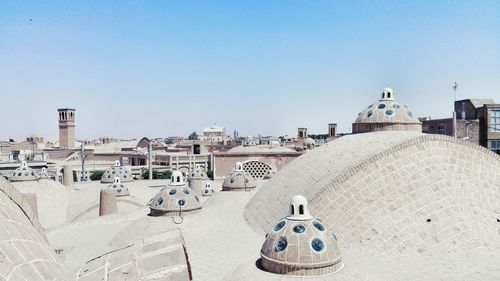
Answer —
478 121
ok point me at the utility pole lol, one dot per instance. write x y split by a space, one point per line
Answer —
82 152
455 86
150 160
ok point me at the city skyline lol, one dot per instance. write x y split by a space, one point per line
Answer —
263 68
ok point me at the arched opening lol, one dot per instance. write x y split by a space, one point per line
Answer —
292 210
178 179
301 209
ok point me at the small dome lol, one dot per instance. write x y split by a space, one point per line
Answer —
23 173
386 114
208 190
309 141
198 173
44 174
119 188
238 179
300 245
117 171
175 198
269 174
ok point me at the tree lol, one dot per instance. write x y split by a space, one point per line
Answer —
96 175
210 174
193 136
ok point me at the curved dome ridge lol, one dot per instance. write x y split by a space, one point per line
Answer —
352 154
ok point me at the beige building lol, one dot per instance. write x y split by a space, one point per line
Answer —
214 134
257 160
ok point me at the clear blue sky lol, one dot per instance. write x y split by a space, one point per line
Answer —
161 68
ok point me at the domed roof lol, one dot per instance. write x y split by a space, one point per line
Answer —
387 110
310 141
23 173
176 197
300 244
198 173
44 174
208 190
238 179
119 188
116 171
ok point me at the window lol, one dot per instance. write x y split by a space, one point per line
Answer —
301 209
281 244
441 129
495 146
299 228
279 226
495 120
318 226
317 244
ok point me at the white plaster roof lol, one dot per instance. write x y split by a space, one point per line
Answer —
259 149
480 102
404 206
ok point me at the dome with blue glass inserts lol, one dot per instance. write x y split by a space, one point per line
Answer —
23 173
238 179
176 197
386 114
117 171
119 188
300 245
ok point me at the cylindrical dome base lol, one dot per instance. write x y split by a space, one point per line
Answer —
107 202
296 270
67 175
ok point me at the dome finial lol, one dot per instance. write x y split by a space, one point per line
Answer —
388 94
177 178
238 166
299 209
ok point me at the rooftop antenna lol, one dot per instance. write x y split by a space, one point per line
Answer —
455 86
150 159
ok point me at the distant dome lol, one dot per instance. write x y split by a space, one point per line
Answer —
119 188
300 244
208 190
309 141
238 179
23 173
117 171
35 138
44 174
177 197
386 114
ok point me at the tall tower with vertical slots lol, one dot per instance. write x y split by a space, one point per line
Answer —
332 130
302 133
66 128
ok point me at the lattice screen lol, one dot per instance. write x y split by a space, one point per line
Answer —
256 169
